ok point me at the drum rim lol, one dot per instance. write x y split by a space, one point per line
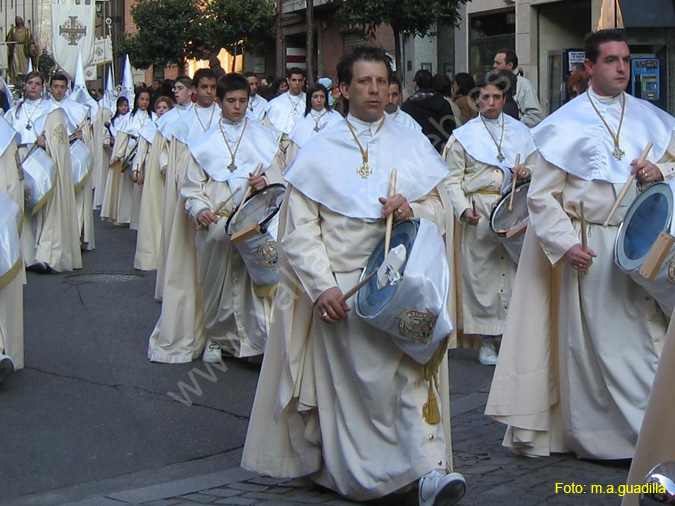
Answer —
501 200
266 220
380 245
631 265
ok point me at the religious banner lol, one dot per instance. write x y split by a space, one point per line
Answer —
103 52
73 32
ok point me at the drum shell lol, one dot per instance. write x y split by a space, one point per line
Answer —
81 162
503 219
662 287
259 252
420 297
39 179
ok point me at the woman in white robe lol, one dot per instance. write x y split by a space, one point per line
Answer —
109 206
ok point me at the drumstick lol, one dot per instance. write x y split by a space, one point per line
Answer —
256 173
584 228
357 287
390 218
628 184
219 207
513 184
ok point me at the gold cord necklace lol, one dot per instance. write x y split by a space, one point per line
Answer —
316 120
205 128
232 167
30 116
500 156
364 170
294 105
618 153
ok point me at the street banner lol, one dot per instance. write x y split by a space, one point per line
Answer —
73 32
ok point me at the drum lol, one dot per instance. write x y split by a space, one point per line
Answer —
650 214
259 251
10 241
81 162
414 310
39 179
502 220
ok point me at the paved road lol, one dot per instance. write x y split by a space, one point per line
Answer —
91 421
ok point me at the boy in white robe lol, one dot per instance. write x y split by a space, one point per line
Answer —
236 310
285 110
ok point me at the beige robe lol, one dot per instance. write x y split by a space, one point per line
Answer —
340 403
148 240
579 351
104 115
11 295
179 335
84 196
487 271
51 235
119 188
656 442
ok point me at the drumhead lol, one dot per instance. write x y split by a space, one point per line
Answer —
260 208
501 219
369 299
649 214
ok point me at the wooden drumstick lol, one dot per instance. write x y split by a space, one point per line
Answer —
390 218
219 207
357 287
628 184
584 228
513 184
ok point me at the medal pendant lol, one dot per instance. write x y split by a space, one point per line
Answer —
618 153
364 171
28 127
501 157
316 128
232 167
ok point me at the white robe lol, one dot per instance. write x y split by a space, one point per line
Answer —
257 108
313 123
285 111
406 119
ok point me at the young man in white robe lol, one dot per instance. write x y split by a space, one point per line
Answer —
236 310
183 91
393 106
78 127
337 401
179 335
12 273
482 156
284 111
51 241
257 105
582 339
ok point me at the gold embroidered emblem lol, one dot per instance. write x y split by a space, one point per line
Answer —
417 325
267 254
671 271
60 133
364 170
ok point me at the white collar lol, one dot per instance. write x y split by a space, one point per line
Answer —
606 99
362 127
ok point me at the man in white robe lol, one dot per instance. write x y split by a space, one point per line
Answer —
482 160
179 335
236 309
525 96
257 105
393 106
12 274
582 339
337 401
51 241
285 110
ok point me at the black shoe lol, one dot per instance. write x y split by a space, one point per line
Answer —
40 268
6 367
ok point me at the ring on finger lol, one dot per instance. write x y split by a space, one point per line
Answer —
399 211
324 314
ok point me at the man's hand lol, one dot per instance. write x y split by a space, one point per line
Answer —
398 205
206 217
579 259
163 170
328 306
136 176
78 133
646 171
42 141
114 160
257 182
471 217
521 172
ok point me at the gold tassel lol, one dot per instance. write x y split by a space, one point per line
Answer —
430 411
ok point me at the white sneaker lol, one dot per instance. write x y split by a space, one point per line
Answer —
6 367
212 353
487 355
440 489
